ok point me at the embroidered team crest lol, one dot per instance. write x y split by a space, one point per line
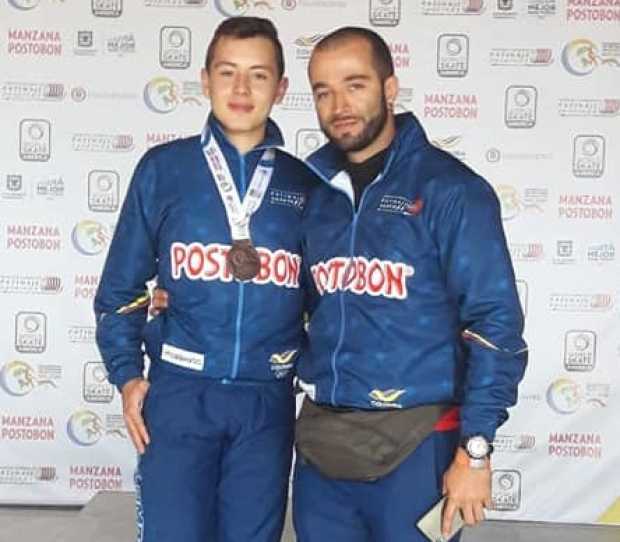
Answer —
400 205
282 363
386 398
287 198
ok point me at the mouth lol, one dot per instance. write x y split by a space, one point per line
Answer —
240 107
344 124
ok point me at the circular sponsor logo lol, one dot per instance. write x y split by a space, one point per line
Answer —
580 57
31 323
590 147
104 182
90 237
24 4
35 131
564 396
522 98
311 142
17 378
161 95
493 155
78 94
99 374
176 39
232 8
454 46
289 4
85 428
506 482
581 342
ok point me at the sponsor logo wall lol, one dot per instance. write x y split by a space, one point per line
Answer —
525 92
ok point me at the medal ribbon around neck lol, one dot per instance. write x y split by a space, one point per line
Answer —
242 258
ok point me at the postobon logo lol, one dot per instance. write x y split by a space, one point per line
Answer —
386 398
90 238
506 490
175 47
85 428
35 140
30 332
107 8
24 4
520 107
452 55
162 95
384 12
282 363
579 350
17 378
307 141
589 156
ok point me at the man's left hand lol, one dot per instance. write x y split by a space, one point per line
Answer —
467 491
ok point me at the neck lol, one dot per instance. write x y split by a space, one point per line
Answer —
245 141
381 142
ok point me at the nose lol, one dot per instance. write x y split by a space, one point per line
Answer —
241 84
340 103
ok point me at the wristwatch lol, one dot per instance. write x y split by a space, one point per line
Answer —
478 449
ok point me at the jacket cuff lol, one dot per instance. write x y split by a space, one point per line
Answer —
124 374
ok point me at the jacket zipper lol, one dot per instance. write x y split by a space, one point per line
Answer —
356 214
240 298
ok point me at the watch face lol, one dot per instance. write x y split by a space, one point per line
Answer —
477 447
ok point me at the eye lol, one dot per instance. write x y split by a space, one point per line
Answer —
356 86
320 95
226 73
260 76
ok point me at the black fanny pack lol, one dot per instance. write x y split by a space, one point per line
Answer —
362 445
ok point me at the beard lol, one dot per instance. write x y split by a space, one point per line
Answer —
370 131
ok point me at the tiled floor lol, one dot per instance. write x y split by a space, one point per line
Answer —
110 518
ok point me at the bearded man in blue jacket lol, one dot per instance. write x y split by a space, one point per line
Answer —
415 349
217 218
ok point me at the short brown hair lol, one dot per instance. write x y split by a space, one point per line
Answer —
247 27
381 55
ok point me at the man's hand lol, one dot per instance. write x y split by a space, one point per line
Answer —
159 302
468 491
134 391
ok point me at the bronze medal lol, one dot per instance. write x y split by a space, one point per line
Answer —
243 260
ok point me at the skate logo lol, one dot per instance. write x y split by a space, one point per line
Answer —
208 262
362 276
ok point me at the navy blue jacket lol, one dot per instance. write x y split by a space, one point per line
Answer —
414 293
173 225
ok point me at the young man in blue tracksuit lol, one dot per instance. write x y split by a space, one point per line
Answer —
217 219
415 347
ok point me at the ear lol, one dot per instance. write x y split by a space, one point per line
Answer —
204 79
391 88
281 90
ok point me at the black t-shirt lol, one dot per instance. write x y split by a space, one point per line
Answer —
364 173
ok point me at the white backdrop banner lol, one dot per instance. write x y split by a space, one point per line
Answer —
527 92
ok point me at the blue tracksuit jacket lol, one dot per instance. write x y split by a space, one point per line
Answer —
415 299
173 225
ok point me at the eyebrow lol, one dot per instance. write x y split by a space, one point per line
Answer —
233 65
355 77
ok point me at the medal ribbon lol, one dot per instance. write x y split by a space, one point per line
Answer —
238 213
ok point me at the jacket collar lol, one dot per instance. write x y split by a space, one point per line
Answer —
328 161
213 128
